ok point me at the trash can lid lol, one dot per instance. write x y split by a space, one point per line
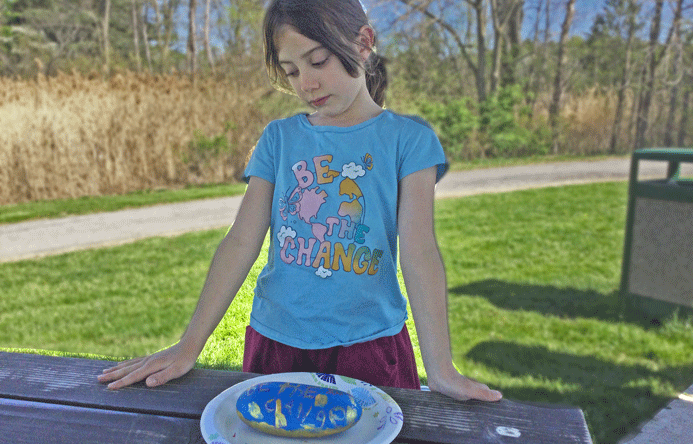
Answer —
668 154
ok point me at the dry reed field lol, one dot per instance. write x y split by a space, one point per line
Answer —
589 120
71 136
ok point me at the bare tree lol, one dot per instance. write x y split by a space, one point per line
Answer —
505 15
554 108
192 45
685 112
208 47
135 36
163 20
106 36
538 56
655 55
513 41
646 95
677 55
631 10
145 35
240 30
480 71
478 68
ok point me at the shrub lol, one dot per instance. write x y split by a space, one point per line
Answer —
506 126
454 122
502 126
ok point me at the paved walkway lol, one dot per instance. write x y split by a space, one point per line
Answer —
671 425
53 236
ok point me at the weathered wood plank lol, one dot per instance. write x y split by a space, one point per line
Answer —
73 381
35 422
429 417
480 422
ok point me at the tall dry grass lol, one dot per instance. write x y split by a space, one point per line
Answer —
588 121
71 136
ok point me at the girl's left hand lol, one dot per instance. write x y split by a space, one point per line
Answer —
462 388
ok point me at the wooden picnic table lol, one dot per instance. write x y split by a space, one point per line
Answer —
46 399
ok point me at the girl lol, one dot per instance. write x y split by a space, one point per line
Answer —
335 188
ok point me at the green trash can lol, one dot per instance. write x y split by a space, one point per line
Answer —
657 274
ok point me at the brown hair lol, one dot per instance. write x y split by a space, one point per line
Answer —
335 24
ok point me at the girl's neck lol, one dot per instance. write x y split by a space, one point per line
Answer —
316 119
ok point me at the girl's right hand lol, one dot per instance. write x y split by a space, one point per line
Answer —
158 368
232 261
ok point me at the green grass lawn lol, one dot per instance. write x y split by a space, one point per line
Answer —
533 277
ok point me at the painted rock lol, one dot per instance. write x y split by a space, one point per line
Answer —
297 410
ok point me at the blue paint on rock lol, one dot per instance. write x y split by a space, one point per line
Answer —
299 410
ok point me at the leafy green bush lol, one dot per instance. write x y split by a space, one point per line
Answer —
505 126
454 122
500 127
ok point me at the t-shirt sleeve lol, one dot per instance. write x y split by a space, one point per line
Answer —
261 163
421 149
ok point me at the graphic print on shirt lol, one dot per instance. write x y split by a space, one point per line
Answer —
337 236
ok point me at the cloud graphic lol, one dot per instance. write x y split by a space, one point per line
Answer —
352 171
323 272
284 233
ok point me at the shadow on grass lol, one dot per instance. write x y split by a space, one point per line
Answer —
615 398
562 302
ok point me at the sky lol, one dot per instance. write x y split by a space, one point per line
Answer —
585 13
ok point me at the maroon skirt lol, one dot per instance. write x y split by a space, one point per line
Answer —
387 361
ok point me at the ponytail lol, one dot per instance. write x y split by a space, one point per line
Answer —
376 77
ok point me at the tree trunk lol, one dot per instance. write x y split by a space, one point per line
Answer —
480 72
192 45
135 36
537 57
506 16
678 56
513 42
669 128
145 36
498 43
646 95
208 47
159 31
547 23
168 31
554 108
625 79
106 36
685 111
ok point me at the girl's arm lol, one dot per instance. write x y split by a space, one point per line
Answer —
232 261
424 277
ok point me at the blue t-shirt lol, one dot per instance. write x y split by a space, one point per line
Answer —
331 274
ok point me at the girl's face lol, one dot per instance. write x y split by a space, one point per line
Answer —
318 78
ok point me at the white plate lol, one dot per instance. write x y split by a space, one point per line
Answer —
380 423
